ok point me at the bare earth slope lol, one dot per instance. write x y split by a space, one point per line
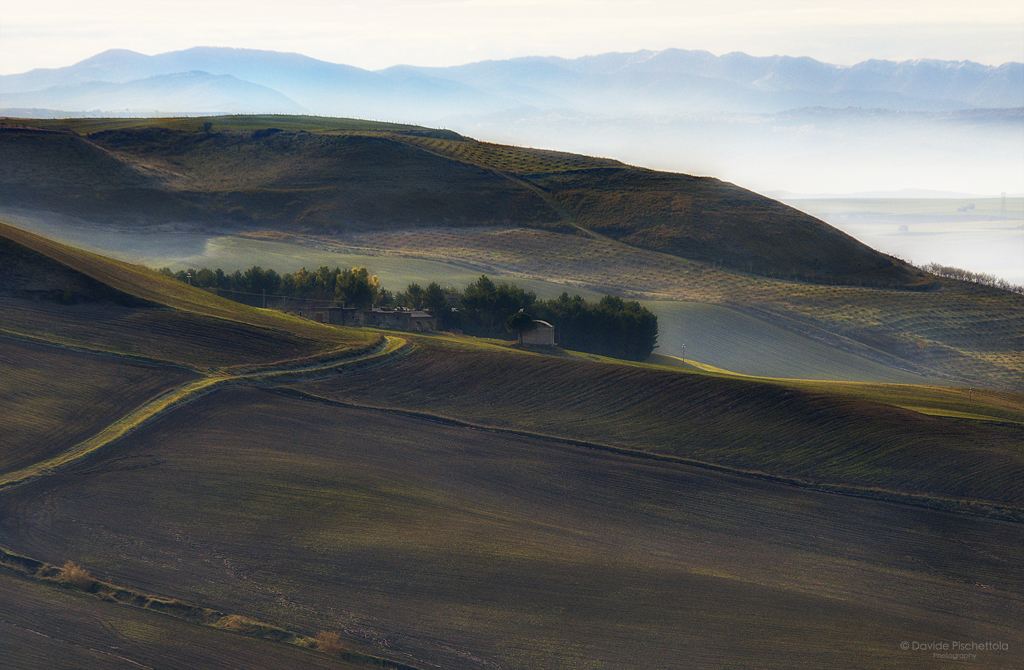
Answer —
808 432
446 546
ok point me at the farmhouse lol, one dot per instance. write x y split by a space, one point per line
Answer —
393 319
542 333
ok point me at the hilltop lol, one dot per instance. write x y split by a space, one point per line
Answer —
770 124
333 175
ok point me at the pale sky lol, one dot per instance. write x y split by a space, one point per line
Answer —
380 33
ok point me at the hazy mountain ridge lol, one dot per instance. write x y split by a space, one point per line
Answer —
185 92
778 123
661 80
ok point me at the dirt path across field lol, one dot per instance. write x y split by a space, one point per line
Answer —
282 372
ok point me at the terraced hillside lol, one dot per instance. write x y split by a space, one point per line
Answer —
456 503
354 176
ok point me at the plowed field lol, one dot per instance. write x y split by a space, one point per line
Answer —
447 546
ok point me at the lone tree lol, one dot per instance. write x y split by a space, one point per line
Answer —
519 323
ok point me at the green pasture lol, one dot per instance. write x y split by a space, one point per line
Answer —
727 338
962 334
714 334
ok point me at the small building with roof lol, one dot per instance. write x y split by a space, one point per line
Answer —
542 333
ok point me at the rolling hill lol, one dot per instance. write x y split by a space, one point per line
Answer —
347 176
409 193
456 503
74 298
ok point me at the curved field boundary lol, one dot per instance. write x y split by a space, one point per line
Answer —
132 358
985 509
388 348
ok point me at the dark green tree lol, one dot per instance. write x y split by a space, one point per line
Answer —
356 288
519 323
414 292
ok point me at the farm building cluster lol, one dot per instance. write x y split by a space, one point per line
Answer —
393 319
415 321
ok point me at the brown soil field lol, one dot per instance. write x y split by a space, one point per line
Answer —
159 334
53 398
53 628
448 546
797 430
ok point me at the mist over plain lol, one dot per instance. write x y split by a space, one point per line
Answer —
790 128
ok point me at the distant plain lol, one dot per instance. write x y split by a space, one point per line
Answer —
978 234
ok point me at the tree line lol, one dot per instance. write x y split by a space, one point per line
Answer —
353 288
609 327
961 274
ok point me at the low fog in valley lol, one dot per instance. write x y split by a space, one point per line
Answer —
791 128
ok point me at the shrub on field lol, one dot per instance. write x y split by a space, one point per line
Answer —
330 643
77 577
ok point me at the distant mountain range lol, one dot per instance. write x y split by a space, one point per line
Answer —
778 123
212 80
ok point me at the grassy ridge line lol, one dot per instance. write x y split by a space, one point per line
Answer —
51 575
952 401
325 124
143 283
508 160
987 509
388 348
